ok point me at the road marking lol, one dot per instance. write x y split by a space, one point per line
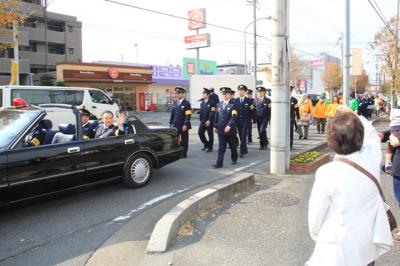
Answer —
148 204
247 166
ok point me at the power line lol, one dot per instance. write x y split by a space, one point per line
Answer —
183 18
383 19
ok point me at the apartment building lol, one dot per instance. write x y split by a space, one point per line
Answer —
45 39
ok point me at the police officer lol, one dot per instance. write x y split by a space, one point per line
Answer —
245 109
263 114
207 117
36 137
225 126
294 117
250 130
213 97
87 128
180 118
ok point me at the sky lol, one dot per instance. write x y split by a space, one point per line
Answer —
111 31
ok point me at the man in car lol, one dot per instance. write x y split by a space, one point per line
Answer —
36 137
87 129
107 128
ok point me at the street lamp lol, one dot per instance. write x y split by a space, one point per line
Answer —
245 43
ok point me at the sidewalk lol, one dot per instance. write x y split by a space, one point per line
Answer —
268 227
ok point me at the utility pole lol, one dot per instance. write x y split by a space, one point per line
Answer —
45 36
396 57
255 43
280 89
197 71
16 52
346 65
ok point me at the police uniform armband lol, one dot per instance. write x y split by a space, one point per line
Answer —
234 112
296 105
269 105
85 137
251 107
188 112
213 109
35 142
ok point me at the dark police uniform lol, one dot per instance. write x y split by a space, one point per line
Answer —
226 116
36 137
245 109
180 116
207 113
294 116
88 130
253 118
214 97
263 116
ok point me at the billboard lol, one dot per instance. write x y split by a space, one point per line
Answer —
207 67
197 41
167 72
197 19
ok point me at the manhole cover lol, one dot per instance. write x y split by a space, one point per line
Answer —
276 199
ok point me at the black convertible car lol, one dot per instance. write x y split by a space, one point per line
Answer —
64 160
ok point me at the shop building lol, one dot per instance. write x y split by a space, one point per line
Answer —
124 83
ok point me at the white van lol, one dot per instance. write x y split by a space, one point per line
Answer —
93 100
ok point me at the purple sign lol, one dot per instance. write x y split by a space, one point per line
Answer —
167 72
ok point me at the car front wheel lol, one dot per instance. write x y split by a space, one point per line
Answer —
138 171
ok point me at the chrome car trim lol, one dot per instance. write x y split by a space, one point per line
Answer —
46 177
104 166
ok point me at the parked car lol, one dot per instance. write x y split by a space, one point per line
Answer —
64 160
93 100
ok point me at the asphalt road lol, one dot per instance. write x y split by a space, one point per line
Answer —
66 230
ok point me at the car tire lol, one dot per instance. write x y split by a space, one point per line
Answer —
138 170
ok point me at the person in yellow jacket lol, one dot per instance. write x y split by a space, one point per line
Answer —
332 107
320 114
305 107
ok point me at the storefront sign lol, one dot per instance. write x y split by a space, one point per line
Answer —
113 72
197 19
168 72
104 76
197 41
207 67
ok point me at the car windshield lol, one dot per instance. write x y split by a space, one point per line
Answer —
12 122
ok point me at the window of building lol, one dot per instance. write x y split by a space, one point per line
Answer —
37 2
55 26
34 97
70 29
2 53
68 97
99 97
71 51
56 49
31 48
31 23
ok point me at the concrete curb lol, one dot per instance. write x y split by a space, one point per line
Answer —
167 227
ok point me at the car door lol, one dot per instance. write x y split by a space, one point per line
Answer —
38 170
4 189
105 158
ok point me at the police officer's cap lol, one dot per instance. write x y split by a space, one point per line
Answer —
249 91
242 87
205 90
225 90
211 89
85 112
261 88
180 89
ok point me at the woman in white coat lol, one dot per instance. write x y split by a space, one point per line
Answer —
347 216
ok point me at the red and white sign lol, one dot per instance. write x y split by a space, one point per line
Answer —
197 41
318 63
190 68
113 72
197 19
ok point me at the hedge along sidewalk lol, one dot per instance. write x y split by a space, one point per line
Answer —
167 227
